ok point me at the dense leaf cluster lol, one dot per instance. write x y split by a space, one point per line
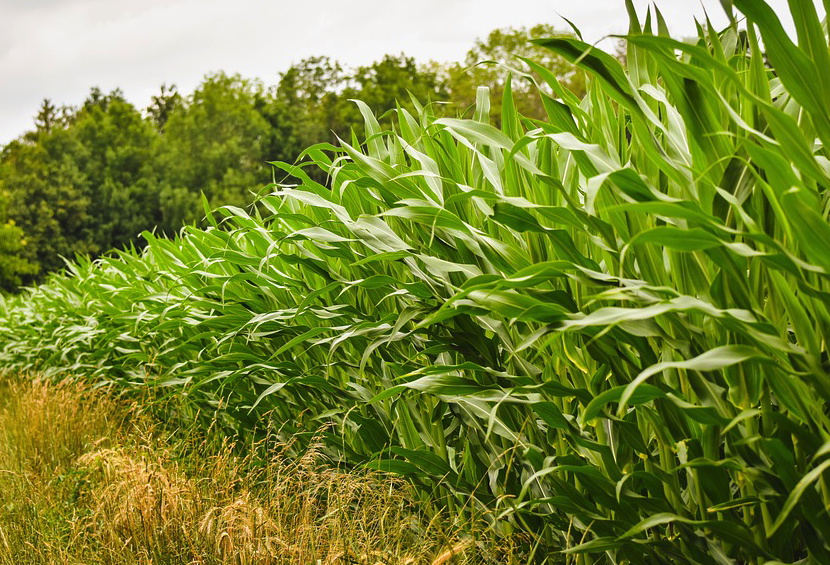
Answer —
606 329
90 179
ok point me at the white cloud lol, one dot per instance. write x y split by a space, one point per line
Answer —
59 49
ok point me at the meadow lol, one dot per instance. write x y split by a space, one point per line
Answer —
603 333
89 478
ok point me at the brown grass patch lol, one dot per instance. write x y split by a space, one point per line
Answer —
85 478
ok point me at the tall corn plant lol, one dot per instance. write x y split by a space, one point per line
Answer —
606 330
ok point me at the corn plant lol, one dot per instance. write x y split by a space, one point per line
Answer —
606 331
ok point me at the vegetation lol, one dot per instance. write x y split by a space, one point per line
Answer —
89 479
13 265
90 179
606 329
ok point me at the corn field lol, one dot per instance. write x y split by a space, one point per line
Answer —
606 331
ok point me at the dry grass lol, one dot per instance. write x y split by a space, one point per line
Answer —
85 479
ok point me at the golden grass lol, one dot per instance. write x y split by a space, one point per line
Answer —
86 479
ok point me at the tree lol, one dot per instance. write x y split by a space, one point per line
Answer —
485 66
316 94
213 143
97 98
163 105
47 117
48 198
91 178
308 96
117 155
388 82
84 185
13 263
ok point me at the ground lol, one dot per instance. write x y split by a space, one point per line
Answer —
89 478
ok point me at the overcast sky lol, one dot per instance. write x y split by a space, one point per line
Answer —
58 49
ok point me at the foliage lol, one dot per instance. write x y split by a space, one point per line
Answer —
12 244
214 144
608 327
116 150
12 265
319 93
488 63
91 178
163 104
47 194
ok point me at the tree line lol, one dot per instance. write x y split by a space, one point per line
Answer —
89 179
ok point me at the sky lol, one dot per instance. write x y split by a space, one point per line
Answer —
59 49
